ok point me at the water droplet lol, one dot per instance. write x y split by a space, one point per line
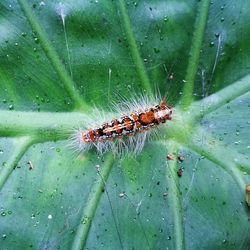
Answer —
222 19
4 236
49 216
3 214
211 44
24 34
4 164
11 107
4 100
121 195
58 150
84 220
156 50
165 19
165 194
1 151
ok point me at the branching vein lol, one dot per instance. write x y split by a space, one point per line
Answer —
22 144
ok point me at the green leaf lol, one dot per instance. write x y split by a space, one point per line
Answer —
58 60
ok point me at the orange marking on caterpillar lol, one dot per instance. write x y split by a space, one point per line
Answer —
144 118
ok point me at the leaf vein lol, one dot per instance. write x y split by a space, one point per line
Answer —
198 35
53 56
134 48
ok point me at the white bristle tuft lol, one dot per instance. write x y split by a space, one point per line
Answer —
127 141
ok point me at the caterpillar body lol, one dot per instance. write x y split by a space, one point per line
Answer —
128 133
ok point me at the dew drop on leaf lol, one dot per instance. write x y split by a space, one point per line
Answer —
165 19
11 107
211 44
217 35
84 220
156 50
3 214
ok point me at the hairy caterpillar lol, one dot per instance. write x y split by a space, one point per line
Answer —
138 119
